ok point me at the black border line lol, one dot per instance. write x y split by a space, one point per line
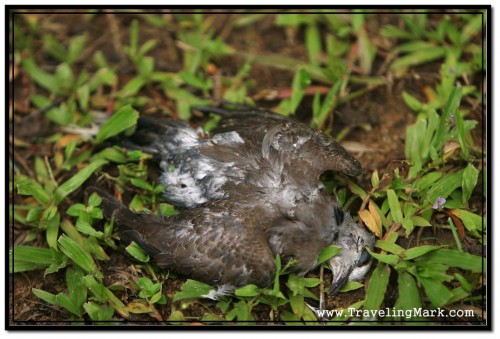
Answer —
233 325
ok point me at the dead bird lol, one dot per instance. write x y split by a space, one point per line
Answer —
252 191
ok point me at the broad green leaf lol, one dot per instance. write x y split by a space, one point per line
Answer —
454 258
469 182
472 222
351 286
377 287
418 58
85 228
98 312
76 288
192 289
83 94
76 253
121 120
52 230
250 290
328 253
419 221
76 45
438 294
134 250
397 214
141 184
44 79
241 312
445 186
45 296
104 294
409 296
389 247
415 252
66 302
30 187
390 259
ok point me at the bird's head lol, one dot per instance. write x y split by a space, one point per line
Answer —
354 261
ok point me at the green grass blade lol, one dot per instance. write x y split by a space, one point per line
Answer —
77 180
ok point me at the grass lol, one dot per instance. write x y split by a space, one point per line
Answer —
343 60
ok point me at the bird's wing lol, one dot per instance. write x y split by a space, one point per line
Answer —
263 130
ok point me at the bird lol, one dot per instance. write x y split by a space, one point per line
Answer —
250 190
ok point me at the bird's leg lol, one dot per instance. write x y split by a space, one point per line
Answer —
321 288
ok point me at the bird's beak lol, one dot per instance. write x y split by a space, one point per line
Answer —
340 274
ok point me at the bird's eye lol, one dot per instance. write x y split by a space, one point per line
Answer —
335 236
363 258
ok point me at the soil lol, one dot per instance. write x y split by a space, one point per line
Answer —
381 148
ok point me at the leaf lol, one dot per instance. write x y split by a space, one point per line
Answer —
369 221
76 45
52 230
30 187
389 247
76 253
42 78
76 288
45 296
192 289
300 82
445 186
454 258
409 296
328 253
27 258
418 57
104 294
65 301
438 294
415 252
419 221
390 259
394 206
471 221
357 190
77 180
32 254
83 94
469 182
351 286
134 250
241 311
249 290
412 102
139 308
141 184
313 43
123 119
85 228
377 286
99 312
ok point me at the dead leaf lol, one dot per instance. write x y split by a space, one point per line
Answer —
370 222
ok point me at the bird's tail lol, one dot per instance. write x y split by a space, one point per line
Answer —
131 226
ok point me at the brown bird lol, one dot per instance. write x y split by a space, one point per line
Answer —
253 191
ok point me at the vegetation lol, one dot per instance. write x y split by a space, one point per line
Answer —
71 84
